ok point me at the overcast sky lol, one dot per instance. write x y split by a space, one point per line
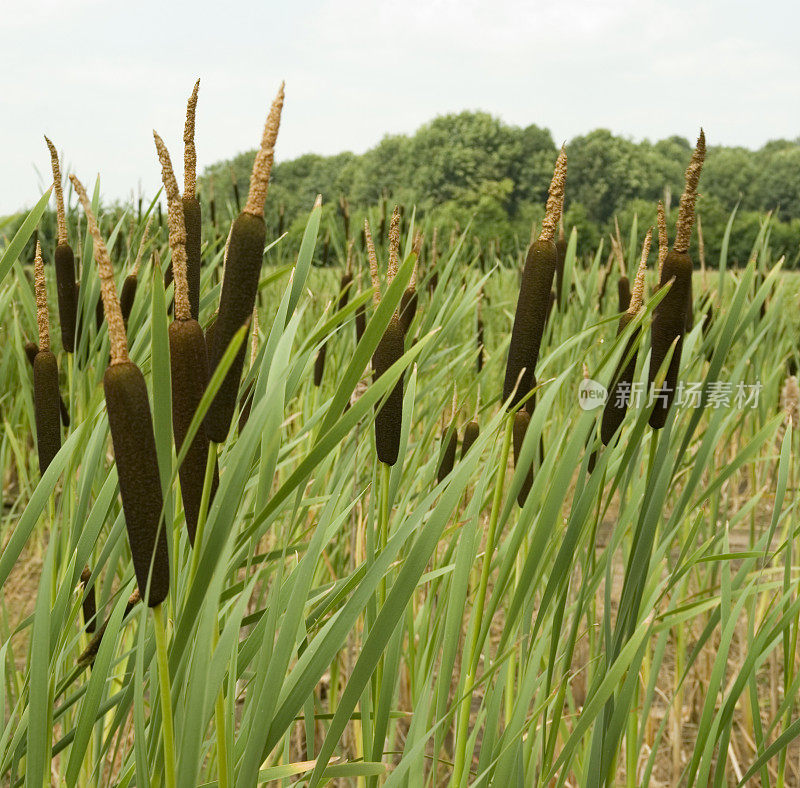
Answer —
97 77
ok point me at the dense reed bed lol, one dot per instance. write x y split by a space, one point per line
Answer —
386 584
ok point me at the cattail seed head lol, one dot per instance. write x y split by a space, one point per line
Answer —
189 373
40 289
177 232
46 398
471 433
389 415
450 444
66 289
555 198
140 484
108 290
262 166
521 421
683 229
189 150
89 602
237 299
533 306
132 435
319 364
669 325
128 296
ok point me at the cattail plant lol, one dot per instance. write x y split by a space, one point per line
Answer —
187 352
192 215
521 421
619 393
669 317
31 349
471 432
128 294
87 657
534 294
64 263
433 277
45 376
132 435
243 256
89 601
480 337
449 445
134 444
389 415
281 218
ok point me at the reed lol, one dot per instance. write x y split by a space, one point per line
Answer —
31 349
187 353
534 295
132 435
670 316
243 257
389 415
128 295
471 433
449 445
66 289
619 392
46 394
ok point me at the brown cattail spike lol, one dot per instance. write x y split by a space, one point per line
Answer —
177 232
89 602
471 433
521 421
683 229
42 317
189 150
108 290
262 166
61 215
555 198
535 296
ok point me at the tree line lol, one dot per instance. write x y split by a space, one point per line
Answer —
473 167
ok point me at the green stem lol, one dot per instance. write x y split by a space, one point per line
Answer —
166 697
473 655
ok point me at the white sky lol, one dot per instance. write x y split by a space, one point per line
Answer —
97 77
